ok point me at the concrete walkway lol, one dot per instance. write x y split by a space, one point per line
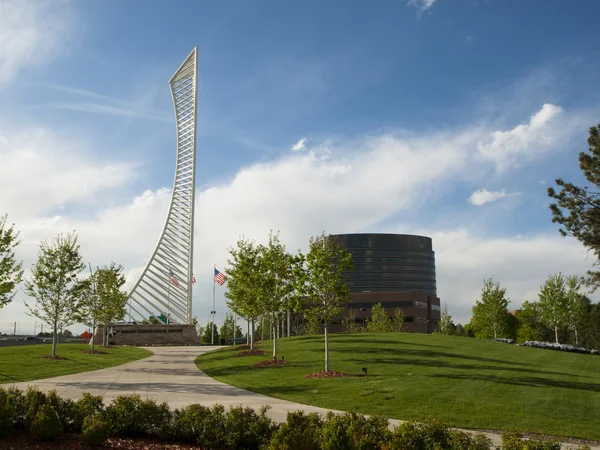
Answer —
171 376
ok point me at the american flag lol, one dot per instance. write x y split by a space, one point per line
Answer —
193 279
172 278
219 277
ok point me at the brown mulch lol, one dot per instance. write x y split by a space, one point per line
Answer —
71 442
55 358
254 352
243 347
329 374
271 362
94 352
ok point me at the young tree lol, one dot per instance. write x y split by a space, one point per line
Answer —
579 305
199 329
445 325
582 204
530 326
244 288
208 333
350 323
112 300
398 319
11 272
490 313
380 321
554 303
227 329
323 284
275 281
54 284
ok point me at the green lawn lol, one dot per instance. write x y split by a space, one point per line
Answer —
464 382
23 363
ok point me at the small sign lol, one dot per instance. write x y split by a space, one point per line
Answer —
86 335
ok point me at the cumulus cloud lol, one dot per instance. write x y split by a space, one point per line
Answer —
525 140
483 196
32 33
300 145
422 5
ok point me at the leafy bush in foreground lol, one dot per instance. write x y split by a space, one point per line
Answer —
46 425
94 430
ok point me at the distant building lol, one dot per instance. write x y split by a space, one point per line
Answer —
396 270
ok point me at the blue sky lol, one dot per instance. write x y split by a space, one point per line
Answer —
447 118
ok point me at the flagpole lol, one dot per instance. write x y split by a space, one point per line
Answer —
212 330
169 296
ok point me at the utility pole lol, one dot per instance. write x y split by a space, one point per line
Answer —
15 329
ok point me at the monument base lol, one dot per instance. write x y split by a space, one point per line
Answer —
130 334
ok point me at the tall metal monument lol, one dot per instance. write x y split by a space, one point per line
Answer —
164 289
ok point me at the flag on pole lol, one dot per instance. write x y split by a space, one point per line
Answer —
193 279
219 277
172 278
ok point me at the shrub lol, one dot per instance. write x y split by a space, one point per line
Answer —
87 406
94 430
13 401
354 432
46 425
201 425
433 435
299 432
512 441
129 415
7 416
34 399
66 410
248 430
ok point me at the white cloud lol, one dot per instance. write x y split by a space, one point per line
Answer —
523 141
483 196
422 5
300 145
32 33
338 187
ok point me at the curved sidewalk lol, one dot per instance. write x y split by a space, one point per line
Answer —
171 376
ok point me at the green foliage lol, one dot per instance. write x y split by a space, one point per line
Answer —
554 303
54 283
313 326
300 431
433 435
490 313
207 337
512 441
247 430
66 410
33 401
354 432
201 425
530 326
398 319
94 431
582 204
46 425
87 406
129 415
11 272
379 322
350 323
227 328
445 325
7 414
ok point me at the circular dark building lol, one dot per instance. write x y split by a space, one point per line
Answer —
396 271
390 262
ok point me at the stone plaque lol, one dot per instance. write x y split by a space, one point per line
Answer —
129 334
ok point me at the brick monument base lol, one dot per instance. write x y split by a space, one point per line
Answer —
172 334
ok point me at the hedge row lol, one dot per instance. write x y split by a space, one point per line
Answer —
47 416
561 347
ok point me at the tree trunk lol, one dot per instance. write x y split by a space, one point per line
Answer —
576 338
252 336
556 333
247 332
54 338
262 329
274 326
326 348
93 333
495 331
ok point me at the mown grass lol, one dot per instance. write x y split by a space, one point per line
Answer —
24 363
463 382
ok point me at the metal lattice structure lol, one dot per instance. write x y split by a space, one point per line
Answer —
164 289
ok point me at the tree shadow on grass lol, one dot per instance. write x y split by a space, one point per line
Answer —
354 340
524 381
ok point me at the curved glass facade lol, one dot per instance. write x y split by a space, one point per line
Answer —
390 262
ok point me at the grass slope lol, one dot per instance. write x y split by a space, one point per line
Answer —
464 382
23 363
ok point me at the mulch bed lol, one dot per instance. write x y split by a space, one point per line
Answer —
55 358
243 347
72 442
271 362
329 374
254 352
94 352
